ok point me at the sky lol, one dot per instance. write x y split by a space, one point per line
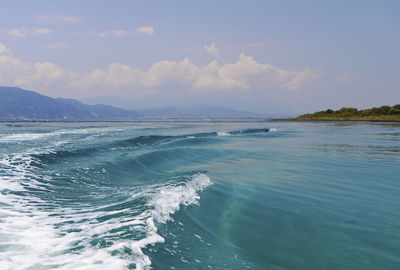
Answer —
261 56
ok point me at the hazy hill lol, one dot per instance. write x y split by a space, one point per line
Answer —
19 104
199 111
171 106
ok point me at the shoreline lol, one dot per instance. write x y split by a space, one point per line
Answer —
338 120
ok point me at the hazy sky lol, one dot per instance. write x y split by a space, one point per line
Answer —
265 56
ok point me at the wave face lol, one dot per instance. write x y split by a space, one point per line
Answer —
84 197
198 195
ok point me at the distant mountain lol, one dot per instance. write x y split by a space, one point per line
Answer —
19 104
170 103
199 111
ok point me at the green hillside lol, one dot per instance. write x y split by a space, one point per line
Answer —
383 113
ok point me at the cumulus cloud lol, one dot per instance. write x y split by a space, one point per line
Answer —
24 32
12 68
58 19
4 49
115 76
46 74
213 50
16 72
244 74
118 33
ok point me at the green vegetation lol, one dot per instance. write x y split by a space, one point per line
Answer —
383 113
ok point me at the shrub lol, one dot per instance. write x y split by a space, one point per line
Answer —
383 110
394 111
348 111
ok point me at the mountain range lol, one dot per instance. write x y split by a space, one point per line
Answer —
20 104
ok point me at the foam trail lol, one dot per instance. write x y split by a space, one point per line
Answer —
43 135
36 238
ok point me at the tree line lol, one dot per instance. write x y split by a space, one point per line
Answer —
385 112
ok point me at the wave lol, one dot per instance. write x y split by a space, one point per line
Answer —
76 203
78 221
152 139
159 139
85 236
137 143
250 131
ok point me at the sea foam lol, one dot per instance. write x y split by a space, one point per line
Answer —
34 237
168 199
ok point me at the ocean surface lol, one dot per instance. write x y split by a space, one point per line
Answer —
200 195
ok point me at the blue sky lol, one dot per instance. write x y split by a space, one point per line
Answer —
265 56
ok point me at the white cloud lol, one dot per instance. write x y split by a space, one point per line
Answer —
20 32
165 72
115 76
213 50
4 49
11 68
23 32
37 76
46 75
245 74
209 77
111 33
41 31
149 30
118 33
49 73
58 19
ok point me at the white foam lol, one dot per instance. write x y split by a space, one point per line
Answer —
32 237
19 170
35 136
273 129
35 238
223 134
22 137
167 200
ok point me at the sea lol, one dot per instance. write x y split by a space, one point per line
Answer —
200 195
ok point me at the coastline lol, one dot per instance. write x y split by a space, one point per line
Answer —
376 114
338 120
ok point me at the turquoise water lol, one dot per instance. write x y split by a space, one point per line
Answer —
200 195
